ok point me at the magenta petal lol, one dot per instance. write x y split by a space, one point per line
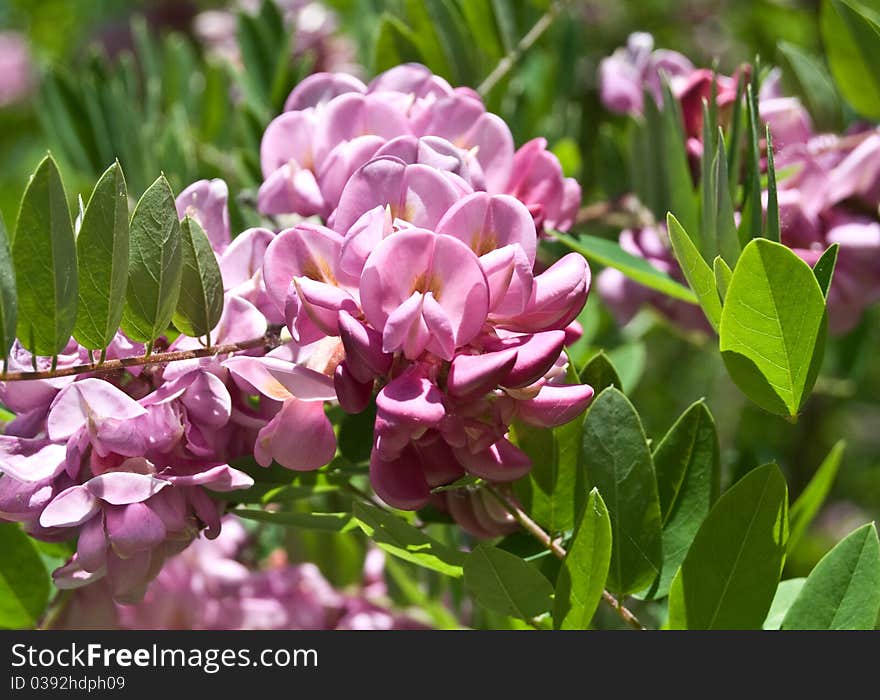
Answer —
69 508
502 461
536 355
319 88
122 488
510 279
244 257
133 528
438 462
486 222
413 78
405 328
555 405
479 374
363 349
31 459
219 478
91 545
413 399
442 335
300 381
288 137
299 437
353 395
89 401
338 165
207 400
364 235
206 202
400 482
291 189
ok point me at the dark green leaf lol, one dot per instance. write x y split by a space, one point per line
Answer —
843 591
396 43
851 41
824 268
772 228
102 256
8 295
696 270
504 583
44 254
730 573
599 373
582 577
816 85
155 267
617 461
687 463
24 581
200 303
773 327
401 539
629 363
682 200
752 212
813 496
610 254
335 522
725 224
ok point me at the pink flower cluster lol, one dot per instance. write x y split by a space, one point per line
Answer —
333 124
123 461
207 587
832 196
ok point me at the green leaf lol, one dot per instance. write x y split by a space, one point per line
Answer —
334 522
599 373
851 42
772 229
617 461
582 577
24 581
200 303
843 591
785 594
682 200
44 255
504 583
396 43
752 211
722 273
155 267
8 295
697 272
610 254
629 363
730 573
824 268
773 327
813 496
102 258
687 463
728 238
401 539
816 85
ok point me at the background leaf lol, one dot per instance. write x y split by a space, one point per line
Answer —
843 591
102 249
24 581
581 579
730 573
155 266
44 254
699 275
599 373
617 461
853 47
813 496
504 583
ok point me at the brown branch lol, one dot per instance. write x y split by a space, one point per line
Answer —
558 551
268 341
509 61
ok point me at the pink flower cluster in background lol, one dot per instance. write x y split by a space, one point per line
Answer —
16 68
832 196
333 124
207 587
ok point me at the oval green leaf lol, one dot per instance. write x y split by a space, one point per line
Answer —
687 463
773 327
599 373
617 461
581 579
729 576
851 41
24 581
102 259
44 255
155 265
8 295
696 270
401 539
504 583
200 303
843 591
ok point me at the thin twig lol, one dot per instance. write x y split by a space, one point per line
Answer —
508 62
559 552
269 341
